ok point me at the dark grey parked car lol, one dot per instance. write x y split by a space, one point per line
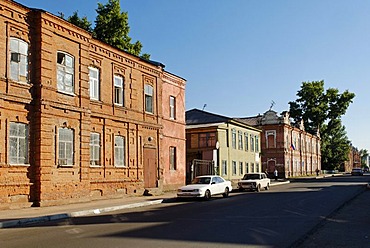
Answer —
357 172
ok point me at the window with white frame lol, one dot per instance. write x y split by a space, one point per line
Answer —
65 146
252 168
246 167
119 151
257 143
118 90
295 143
224 167
172 158
246 138
287 142
252 143
240 168
94 83
18 143
172 107
65 72
313 146
317 148
94 149
18 60
148 92
233 138
240 140
234 167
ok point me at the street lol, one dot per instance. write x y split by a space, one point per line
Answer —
284 216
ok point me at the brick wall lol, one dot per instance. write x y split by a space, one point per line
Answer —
46 110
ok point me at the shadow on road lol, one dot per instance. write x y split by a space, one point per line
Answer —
278 217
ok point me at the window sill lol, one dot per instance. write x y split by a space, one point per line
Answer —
67 93
65 166
119 105
95 166
19 82
19 165
97 101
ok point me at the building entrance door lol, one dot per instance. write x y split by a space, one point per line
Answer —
271 167
150 168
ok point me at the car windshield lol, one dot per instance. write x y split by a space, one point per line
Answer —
201 180
251 176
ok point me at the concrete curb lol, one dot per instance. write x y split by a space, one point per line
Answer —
279 183
115 208
28 221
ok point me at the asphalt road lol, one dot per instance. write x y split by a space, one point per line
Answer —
284 216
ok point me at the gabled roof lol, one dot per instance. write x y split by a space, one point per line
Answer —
200 118
196 116
252 121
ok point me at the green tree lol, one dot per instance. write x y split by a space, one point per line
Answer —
111 26
83 22
364 154
335 145
322 110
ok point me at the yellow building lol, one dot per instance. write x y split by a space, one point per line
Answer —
220 145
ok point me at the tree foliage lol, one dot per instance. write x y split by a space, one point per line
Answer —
111 27
335 145
322 111
83 22
364 154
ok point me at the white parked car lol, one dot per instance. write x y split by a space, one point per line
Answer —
254 182
206 186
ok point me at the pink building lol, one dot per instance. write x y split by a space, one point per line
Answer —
286 146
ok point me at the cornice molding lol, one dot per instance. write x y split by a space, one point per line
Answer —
65 29
173 80
12 13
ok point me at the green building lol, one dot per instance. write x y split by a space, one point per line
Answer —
220 145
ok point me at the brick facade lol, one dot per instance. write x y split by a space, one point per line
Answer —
130 123
173 135
285 146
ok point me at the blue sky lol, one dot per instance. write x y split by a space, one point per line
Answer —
240 55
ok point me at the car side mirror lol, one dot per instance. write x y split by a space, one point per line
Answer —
213 182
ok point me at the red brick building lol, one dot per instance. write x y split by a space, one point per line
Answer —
354 160
286 146
79 119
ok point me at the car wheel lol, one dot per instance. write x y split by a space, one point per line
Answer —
258 189
241 189
207 194
226 193
267 186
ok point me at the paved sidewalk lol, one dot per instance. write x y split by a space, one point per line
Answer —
24 216
346 227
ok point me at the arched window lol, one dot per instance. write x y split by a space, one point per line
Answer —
118 90
18 60
65 72
94 81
